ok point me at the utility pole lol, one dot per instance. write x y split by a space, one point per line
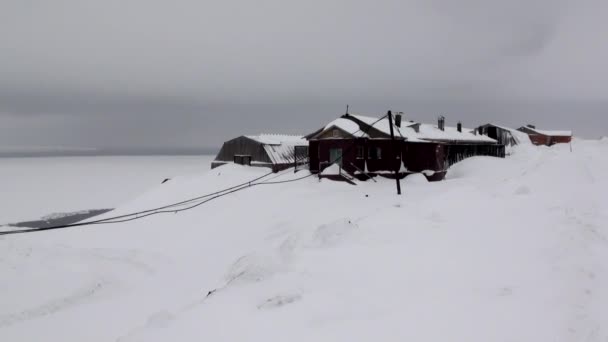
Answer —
395 150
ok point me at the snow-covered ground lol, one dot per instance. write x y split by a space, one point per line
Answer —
509 249
31 188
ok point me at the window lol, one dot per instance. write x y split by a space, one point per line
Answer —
335 133
375 153
335 156
242 159
360 152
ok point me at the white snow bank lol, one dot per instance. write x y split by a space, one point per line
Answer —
504 249
35 187
333 169
416 178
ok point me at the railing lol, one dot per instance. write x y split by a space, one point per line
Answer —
363 172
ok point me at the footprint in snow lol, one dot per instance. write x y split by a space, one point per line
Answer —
522 190
331 234
159 319
279 301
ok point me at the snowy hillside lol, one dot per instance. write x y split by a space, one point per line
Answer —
35 187
509 249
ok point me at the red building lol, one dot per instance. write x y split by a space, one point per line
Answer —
361 145
545 137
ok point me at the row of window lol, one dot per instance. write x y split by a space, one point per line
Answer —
372 153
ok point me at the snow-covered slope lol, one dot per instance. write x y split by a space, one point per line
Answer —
34 187
503 250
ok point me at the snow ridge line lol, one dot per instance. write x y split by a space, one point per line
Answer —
53 306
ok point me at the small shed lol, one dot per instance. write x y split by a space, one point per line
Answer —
503 135
275 151
546 137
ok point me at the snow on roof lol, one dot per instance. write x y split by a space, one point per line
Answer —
347 126
279 139
432 132
426 132
551 133
383 124
519 136
280 154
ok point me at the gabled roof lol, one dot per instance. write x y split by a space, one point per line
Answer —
347 126
379 128
547 132
519 136
383 125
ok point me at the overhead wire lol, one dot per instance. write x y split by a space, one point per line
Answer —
166 209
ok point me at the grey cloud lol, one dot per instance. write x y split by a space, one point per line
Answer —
191 73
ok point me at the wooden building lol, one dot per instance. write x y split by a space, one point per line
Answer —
546 137
362 145
503 135
274 151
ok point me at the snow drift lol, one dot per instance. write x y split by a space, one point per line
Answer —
503 250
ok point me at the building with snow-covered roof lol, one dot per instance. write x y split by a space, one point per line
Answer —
362 144
276 151
504 135
546 137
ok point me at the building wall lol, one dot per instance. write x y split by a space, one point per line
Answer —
560 140
539 139
242 146
501 135
416 156
547 140
419 156
319 153
458 152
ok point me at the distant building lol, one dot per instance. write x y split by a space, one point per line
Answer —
361 145
545 137
503 135
275 151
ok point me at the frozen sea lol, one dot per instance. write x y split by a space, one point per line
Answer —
36 187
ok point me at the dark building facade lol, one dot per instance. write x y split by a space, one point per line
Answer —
545 137
362 145
503 135
277 152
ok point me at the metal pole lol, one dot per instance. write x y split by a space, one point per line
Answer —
394 154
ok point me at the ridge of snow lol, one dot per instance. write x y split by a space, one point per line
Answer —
278 139
561 133
347 126
505 249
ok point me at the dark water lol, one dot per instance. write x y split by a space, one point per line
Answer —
67 218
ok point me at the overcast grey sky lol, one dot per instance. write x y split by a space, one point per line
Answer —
132 73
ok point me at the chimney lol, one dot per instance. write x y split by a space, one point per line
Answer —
459 126
531 126
441 123
398 119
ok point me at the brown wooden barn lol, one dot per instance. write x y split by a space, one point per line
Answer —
275 151
546 137
362 145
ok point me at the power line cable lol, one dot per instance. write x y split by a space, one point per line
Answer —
160 210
